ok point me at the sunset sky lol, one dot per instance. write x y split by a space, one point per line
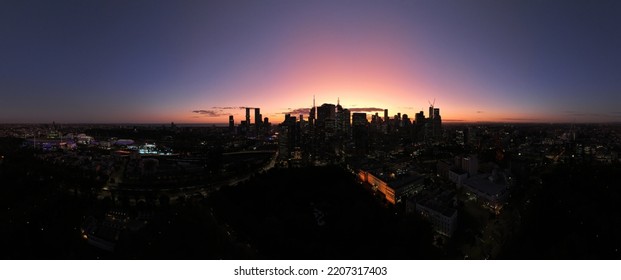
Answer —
199 61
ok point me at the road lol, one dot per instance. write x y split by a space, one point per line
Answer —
204 190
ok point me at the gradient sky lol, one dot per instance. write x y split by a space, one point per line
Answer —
191 61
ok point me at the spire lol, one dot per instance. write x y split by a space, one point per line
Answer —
338 101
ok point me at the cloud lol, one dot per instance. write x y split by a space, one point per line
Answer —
453 120
479 112
584 114
227 108
306 111
366 109
231 107
298 111
519 119
574 113
209 113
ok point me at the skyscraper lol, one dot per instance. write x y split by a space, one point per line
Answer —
360 133
312 116
231 123
437 123
346 121
339 116
257 117
419 118
247 116
289 136
326 113
359 119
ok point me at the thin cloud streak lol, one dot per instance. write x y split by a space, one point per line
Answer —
209 113
366 109
298 111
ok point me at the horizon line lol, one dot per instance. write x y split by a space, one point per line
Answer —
237 124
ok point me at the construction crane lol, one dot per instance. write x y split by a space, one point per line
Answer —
432 104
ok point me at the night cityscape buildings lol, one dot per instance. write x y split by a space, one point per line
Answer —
477 188
185 130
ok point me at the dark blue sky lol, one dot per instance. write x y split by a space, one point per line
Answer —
157 61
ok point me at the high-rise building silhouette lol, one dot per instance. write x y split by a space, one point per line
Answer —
312 115
257 117
339 116
326 111
437 123
289 136
359 119
231 123
326 115
346 118
247 116
419 118
360 132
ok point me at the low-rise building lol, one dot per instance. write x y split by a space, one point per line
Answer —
457 176
393 187
492 189
442 217
436 206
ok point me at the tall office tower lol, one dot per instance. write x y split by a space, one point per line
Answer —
231 123
346 120
437 123
385 115
326 113
339 115
288 137
419 127
430 112
312 115
247 116
266 124
419 118
359 119
375 118
405 120
360 132
257 117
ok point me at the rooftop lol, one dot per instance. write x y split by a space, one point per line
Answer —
483 184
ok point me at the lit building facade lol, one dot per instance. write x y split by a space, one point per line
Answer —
394 189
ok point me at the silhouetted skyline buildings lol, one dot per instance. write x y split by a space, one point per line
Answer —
493 180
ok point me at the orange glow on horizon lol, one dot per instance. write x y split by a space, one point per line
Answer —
371 71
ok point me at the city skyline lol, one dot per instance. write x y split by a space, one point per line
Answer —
199 62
